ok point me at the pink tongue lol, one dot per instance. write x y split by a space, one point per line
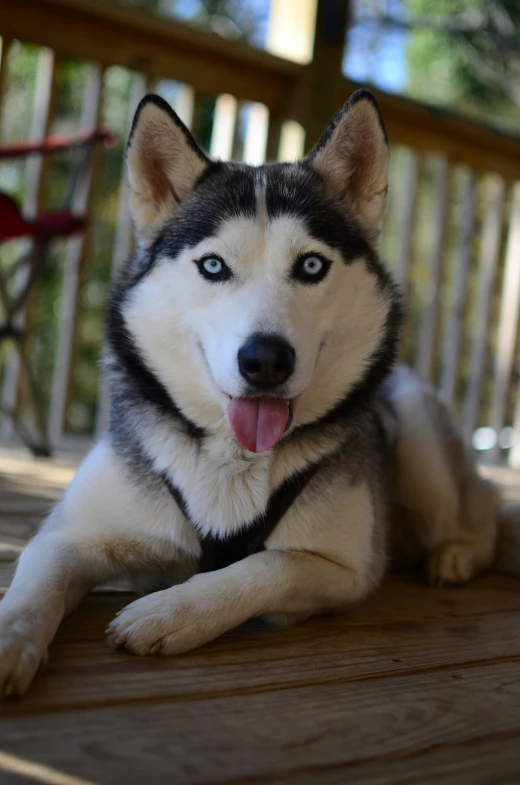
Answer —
258 423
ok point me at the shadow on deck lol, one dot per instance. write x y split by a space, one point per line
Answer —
414 685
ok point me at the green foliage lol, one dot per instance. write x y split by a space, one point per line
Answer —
476 72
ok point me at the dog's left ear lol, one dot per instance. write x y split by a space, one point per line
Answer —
352 156
164 163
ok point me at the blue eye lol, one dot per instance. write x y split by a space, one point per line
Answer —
213 268
310 268
312 265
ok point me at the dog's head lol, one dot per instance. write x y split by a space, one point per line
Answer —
257 297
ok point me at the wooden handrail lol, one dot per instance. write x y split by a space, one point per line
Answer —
136 39
161 48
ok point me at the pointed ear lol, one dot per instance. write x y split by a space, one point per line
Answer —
352 156
164 163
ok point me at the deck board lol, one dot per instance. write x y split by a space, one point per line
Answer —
412 685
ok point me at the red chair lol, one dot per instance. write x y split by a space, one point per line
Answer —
42 230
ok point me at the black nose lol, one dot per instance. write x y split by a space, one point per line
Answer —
265 361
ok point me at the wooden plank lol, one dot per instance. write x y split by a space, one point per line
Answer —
122 250
223 127
185 104
321 91
291 141
359 644
406 216
514 453
123 241
19 770
456 308
161 47
482 762
428 328
507 324
430 129
290 32
41 122
272 733
489 253
74 258
274 138
5 47
140 41
255 139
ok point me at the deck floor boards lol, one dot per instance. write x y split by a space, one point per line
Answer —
413 686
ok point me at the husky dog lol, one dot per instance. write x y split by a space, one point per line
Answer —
258 437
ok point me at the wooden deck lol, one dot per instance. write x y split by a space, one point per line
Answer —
416 685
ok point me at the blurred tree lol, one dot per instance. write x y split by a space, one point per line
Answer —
461 53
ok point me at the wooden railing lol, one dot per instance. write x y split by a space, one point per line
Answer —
452 234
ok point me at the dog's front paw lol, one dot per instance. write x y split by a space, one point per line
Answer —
167 622
22 650
451 562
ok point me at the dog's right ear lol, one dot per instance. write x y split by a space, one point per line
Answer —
164 163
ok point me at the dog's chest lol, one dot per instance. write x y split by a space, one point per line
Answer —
224 487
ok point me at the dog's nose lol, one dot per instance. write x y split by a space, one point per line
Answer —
265 361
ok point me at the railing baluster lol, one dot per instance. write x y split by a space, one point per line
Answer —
237 152
292 142
5 48
185 104
123 242
508 322
223 127
41 121
450 353
489 253
74 259
255 142
406 216
273 150
427 333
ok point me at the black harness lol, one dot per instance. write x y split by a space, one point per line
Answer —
218 552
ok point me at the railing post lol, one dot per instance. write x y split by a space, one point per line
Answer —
450 361
223 127
123 243
325 88
507 324
314 32
488 260
428 328
73 273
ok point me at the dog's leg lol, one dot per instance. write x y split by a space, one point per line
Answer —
321 557
271 583
53 574
90 537
454 509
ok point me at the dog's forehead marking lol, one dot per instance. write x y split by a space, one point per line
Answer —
260 194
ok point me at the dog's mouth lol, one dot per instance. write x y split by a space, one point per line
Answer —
259 423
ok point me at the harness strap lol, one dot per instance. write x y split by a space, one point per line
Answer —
218 553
